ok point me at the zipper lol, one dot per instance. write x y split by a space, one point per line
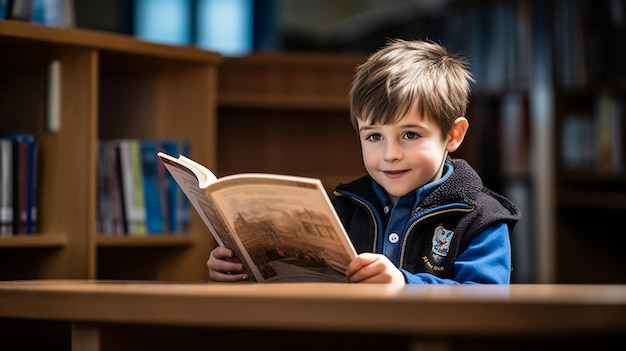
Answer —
372 216
421 219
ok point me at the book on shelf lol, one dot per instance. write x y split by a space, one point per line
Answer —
20 10
4 8
18 210
6 187
175 200
608 126
104 206
132 186
593 140
577 145
153 174
57 13
282 228
136 195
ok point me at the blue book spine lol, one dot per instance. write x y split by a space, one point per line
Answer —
4 9
177 203
151 186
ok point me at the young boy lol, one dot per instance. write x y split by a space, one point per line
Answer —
418 216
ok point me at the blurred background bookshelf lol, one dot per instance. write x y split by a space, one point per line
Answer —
66 90
546 114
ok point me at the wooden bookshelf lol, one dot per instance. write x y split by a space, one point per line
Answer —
112 86
590 197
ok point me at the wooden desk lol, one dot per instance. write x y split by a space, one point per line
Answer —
103 315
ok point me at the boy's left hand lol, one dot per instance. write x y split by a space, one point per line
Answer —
374 268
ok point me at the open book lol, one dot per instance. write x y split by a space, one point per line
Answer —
282 228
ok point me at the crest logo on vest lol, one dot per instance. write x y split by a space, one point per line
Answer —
441 244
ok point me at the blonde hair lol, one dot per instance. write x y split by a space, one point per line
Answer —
407 74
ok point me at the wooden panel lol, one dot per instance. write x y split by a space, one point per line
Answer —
67 177
294 81
305 143
15 30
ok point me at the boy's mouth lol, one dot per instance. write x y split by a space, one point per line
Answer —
394 174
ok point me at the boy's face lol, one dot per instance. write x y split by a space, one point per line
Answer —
405 155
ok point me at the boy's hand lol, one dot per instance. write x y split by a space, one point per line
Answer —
224 267
374 268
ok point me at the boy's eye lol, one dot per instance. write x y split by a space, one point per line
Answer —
374 137
411 135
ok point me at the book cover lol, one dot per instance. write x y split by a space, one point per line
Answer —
6 187
282 228
177 205
116 186
151 186
20 10
4 8
132 187
105 205
608 133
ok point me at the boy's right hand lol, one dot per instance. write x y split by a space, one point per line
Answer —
225 267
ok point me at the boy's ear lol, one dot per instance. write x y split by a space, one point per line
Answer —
457 134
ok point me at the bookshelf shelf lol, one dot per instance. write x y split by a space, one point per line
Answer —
595 199
111 86
17 32
163 240
34 241
571 178
281 102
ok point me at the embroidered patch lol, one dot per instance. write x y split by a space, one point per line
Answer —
441 244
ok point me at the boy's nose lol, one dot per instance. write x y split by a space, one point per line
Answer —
393 152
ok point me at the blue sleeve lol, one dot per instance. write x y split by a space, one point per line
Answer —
487 260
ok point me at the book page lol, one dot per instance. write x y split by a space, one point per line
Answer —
188 182
288 227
